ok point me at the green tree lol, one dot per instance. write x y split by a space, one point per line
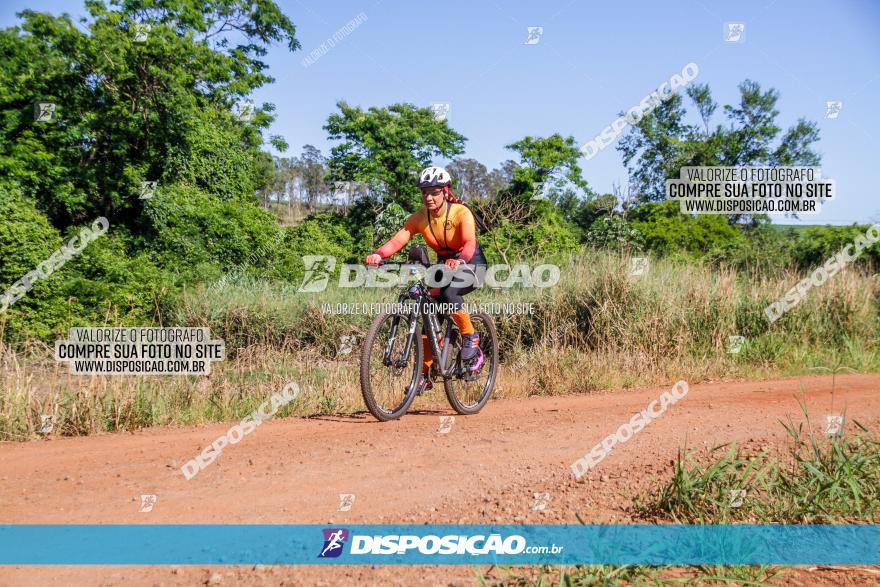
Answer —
518 221
312 172
553 159
157 107
143 91
470 178
390 146
498 180
661 143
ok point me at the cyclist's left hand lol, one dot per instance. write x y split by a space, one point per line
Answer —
453 263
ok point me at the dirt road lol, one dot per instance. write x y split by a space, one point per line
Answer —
487 468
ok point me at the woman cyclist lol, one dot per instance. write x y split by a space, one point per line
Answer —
448 227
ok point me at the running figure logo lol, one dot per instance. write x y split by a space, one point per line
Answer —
441 110
638 266
44 111
734 32
833 108
535 33
334 540
147 502
318 270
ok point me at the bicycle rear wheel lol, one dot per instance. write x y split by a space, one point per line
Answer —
388 384
468 394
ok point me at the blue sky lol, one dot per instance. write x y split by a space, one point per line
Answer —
593 60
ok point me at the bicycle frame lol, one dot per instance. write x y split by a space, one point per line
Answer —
420 293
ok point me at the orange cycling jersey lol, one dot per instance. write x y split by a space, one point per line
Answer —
452 234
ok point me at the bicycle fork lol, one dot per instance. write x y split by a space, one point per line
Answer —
389 346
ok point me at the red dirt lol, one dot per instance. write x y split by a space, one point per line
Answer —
486 469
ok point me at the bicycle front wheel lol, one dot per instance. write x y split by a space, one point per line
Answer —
388 376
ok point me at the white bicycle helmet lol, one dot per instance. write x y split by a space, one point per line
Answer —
434 176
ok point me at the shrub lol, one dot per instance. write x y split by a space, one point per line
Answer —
813 245
320 234
614 232
667 230
26 236
196 234
102 284
544 233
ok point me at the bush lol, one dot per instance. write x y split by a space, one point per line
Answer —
370 222
667 230
111 285
813 245
195 234
320 234
26 236
100 285
544 233
614 232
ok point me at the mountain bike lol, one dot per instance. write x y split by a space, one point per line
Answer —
391 358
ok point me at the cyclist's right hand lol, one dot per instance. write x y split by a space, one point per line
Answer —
373 259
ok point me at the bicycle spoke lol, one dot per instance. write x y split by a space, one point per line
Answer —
471 391
389 383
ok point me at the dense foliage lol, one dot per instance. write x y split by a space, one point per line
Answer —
140 114
135 115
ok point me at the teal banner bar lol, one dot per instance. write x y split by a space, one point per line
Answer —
56 544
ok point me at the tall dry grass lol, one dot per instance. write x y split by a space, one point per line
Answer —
599 328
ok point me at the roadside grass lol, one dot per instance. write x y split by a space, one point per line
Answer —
619 575
676 310
86 404
600 328
575 575
821 479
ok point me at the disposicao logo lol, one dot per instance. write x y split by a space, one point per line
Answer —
334 541
432 544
